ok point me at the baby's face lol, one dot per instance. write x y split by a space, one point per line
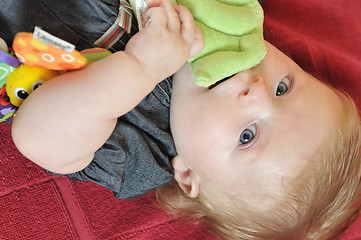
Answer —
254 130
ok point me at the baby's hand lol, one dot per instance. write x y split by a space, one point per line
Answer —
169 39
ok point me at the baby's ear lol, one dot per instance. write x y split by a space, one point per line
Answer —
186 178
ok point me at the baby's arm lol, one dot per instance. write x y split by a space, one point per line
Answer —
67 119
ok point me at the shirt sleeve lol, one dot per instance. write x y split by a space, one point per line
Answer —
136 158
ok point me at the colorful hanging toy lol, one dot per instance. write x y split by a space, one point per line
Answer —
37 57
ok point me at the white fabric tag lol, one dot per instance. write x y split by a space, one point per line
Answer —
141 8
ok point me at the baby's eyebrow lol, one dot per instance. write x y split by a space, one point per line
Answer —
220 81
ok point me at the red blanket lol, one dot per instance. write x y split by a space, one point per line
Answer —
322 36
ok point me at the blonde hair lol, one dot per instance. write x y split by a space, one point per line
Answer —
319 204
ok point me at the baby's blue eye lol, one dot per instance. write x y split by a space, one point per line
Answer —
283 86
248 135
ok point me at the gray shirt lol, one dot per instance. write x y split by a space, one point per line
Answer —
136 157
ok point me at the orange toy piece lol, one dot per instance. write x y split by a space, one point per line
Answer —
36 53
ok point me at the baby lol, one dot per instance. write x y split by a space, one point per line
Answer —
268 153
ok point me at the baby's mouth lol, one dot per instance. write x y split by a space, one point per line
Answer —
219 82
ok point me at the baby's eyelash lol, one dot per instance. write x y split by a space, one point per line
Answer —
284 85
250 131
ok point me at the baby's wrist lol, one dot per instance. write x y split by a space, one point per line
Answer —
149 73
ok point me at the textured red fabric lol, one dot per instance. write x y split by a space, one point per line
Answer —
36 205
322 36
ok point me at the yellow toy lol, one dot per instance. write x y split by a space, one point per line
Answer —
41 62
24 80
42 57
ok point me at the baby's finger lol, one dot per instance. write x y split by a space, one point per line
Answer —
173 19
157 17
198 43
188 27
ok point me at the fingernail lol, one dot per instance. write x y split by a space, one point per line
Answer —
148 22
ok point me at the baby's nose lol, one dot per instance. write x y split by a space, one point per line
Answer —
254 91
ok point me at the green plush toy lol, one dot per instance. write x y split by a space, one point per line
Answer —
233 35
